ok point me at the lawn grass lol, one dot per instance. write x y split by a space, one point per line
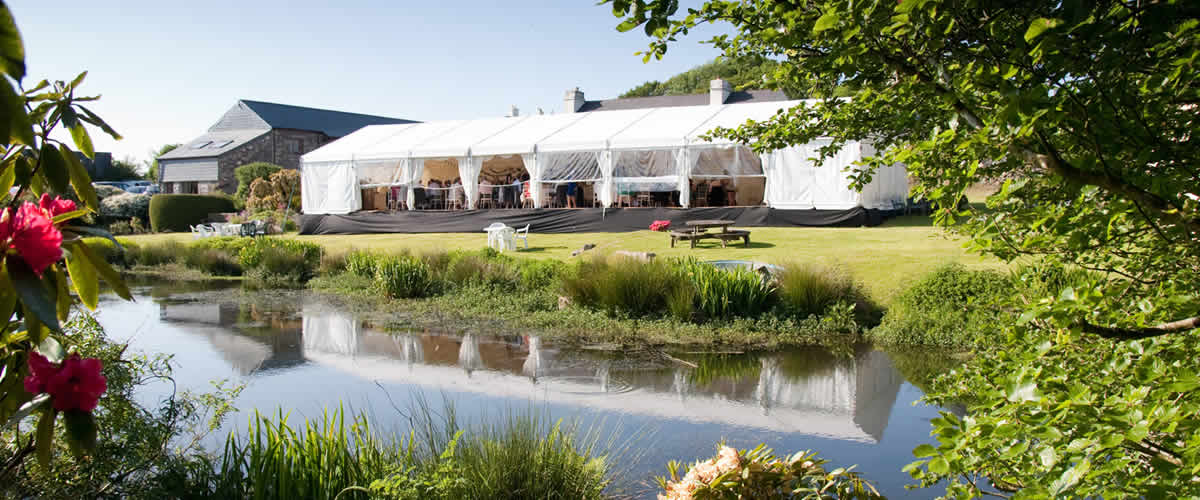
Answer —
885 259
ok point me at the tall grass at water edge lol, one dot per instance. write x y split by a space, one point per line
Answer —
522 456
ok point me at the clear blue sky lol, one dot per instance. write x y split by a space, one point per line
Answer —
167 70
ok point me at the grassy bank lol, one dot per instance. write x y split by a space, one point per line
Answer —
884 259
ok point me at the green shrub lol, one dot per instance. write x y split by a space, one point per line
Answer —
125 206
361 263
246 174
723 293
317 461
214 262
283 264
624 287
177 212
404 277
251 254
153 255
952 306
232 245
807 289
120 227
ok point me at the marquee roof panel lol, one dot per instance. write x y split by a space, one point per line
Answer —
663 128
458 142
402 144
345 148
592 132
733 115
522 137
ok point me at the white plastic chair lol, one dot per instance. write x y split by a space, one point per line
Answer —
195 232
523 235
205 231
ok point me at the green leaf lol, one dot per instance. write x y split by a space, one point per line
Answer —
939 466
33 293
63 217
1070 478
84 278
38 402
92 118
1039 26
12 50
8 177
827 20
80 179
81 430
106 272
44 443
924 450
1067 295
52 350
1026 391
78 80
61 293
54 168
82 140
94 232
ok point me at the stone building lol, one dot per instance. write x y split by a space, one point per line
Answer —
253 131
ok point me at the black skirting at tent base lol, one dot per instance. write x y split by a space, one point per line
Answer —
582 220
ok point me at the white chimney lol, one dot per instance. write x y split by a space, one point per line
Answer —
514 112
718 91
573 100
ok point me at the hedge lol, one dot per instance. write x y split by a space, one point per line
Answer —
176 212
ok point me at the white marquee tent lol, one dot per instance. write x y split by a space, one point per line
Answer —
654 149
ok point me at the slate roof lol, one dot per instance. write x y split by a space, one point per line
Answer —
248 119
249 114
670 101
213 144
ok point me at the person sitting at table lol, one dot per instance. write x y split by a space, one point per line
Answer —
571 188
716 194
526 195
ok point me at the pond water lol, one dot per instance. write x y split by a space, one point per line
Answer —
296 351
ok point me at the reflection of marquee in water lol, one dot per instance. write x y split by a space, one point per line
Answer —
848 399
218 324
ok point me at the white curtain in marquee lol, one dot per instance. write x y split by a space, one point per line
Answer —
607 190
468 170
684 164
329 188
374 173
532 165
645 170
414 171
559 168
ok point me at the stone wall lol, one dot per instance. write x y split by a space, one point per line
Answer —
282 147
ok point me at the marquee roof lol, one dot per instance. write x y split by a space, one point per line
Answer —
651 128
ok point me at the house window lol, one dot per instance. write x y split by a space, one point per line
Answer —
187 188
294 146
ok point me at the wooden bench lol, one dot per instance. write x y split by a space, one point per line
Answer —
725 237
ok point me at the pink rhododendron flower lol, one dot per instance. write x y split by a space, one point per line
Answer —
76 384
31 233
55 207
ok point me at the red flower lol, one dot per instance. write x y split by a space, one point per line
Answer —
55 207
76 384
40 370
30 232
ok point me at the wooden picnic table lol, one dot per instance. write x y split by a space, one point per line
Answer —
699 230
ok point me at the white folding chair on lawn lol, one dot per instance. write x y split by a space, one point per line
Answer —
523 235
